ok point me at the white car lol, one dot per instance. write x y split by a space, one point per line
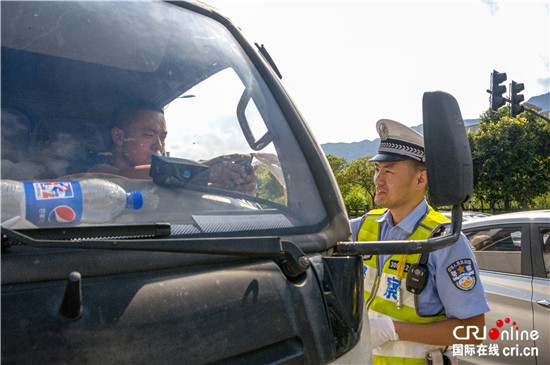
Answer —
467 215
513 254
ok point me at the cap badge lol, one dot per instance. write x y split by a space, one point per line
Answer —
383 131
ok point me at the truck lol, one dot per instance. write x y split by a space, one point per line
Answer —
200 273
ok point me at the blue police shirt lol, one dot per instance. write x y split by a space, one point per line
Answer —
448 287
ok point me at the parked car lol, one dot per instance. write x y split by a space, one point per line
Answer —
513 254
466 215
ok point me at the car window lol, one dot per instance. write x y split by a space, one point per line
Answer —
544 237
232 163
497 249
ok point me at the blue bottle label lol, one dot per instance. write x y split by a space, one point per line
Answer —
53 202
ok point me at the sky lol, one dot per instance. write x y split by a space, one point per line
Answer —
347 64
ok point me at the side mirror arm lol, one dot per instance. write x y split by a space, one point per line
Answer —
405 246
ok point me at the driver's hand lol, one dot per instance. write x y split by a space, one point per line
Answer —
228 175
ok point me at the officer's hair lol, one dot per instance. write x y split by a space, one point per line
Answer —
124 115
416 166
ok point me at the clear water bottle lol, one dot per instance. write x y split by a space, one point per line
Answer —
86 201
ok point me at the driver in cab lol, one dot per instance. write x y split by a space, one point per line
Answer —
139 132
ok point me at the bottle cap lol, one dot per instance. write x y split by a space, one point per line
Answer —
134 199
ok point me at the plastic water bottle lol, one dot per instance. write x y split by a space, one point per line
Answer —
86 201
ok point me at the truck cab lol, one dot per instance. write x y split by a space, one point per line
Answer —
202 273
209 269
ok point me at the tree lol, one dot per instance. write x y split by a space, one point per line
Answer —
356 199
511 158
268 186
338 166
361 173
355 179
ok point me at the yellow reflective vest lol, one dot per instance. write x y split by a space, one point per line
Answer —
381 288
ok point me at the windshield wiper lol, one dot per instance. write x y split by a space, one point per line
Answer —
291 258
155 230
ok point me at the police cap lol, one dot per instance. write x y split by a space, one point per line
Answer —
398 142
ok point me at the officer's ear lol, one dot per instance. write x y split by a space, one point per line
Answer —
422 180
117 135
420 175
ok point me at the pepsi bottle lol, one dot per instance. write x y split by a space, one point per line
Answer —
86 201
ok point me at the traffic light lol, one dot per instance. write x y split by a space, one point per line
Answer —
516 98
496 98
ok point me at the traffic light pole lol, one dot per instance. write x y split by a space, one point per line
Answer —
536 113
532 111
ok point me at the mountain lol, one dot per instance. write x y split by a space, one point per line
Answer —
542 101
354 150
467 123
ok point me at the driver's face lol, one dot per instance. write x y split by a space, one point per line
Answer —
144 137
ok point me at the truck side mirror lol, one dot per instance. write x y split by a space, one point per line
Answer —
448 156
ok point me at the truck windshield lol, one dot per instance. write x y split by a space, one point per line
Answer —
100 98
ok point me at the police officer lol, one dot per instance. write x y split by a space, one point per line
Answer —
407 327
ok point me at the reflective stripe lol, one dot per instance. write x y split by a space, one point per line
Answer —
370 218
404 350
387 360
380 291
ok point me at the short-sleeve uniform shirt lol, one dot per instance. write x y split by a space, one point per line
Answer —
446 288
